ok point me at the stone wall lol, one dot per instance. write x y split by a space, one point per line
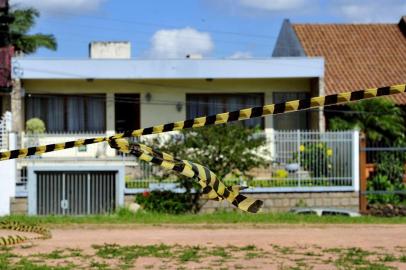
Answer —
19 206
282 202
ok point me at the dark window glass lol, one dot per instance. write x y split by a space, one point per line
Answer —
293 120
209 104
127 112
68 113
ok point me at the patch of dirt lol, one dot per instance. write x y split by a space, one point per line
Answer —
276 247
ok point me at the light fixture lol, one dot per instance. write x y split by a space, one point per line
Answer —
148 97
179 106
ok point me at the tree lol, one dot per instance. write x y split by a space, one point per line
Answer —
232 149
24 20
379 119
225 150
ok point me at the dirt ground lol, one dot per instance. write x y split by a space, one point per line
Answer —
272 246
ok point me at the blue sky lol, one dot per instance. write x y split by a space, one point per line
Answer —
213 28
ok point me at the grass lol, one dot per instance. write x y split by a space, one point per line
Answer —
113 256
123 216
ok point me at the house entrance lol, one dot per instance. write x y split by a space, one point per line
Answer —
127 110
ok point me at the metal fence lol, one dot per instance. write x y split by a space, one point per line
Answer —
298 161
5 127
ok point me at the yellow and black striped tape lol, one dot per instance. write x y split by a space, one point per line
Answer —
211 185
222 118
17 239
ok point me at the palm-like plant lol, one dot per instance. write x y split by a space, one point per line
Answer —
24 20
379 119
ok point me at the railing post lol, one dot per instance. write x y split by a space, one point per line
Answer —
298 155
363 174
355 160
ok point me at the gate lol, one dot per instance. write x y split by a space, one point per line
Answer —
371 155
79 192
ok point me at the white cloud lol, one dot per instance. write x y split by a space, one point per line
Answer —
370 11
177 43
60 6
241 55
273 5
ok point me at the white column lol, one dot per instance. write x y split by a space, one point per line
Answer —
110 113
110 122
8 172
355 160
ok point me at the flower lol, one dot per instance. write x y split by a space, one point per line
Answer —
302 148
146 193
329 152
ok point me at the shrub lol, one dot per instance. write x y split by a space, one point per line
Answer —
35 126
316 158
388 177
166 202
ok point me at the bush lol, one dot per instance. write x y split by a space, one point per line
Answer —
316 158
35 126
166 202
226 150
388 177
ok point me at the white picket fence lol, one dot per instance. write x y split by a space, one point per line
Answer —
5 128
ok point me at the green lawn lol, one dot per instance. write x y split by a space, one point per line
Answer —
123 216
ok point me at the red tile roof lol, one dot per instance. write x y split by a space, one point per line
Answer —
358 56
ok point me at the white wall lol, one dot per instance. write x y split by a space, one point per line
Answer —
7 180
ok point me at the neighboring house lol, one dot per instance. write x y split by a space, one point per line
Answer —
357 56
110 92
107 93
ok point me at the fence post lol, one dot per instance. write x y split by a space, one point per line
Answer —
298 159
355 160
363 174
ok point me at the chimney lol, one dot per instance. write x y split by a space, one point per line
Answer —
110 50
402 25
194 56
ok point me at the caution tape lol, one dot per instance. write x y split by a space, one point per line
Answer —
216 119
211 185
43 233
209 181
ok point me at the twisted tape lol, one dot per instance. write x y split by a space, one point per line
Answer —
211 185
17 239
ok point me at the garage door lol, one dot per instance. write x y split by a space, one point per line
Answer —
75 193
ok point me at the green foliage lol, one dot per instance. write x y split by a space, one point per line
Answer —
24 21
379 119
316 158
225 150
232 149
35 126
167 202
388 177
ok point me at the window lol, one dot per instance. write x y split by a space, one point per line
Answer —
293 120
127 108
71 113
208 104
